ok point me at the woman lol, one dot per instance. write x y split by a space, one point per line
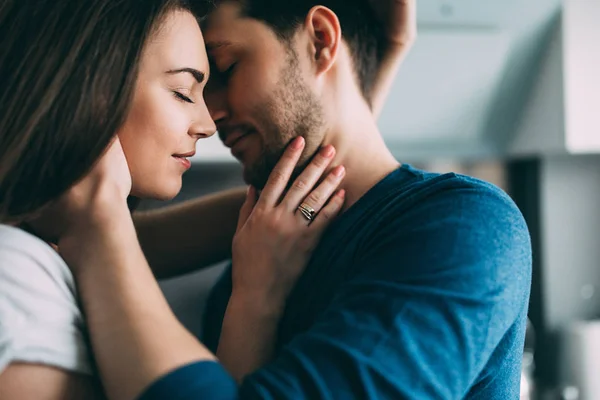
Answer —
110 55
95 88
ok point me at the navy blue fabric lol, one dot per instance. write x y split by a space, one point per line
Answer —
201 380
419 291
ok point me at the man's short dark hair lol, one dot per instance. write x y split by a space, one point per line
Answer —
361 29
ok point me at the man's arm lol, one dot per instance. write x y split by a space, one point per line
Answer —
442 293
400 21
39 382
192 235
442 289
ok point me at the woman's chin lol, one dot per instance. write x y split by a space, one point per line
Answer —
164 193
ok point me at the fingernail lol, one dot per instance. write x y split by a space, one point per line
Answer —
341 193
339 170
298 143
327 151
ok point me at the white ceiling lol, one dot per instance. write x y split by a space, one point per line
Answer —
461 91
480 13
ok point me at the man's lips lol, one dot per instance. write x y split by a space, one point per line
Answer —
233 137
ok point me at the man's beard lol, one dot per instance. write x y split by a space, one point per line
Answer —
292 110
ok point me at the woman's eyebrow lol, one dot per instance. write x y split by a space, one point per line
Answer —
199 76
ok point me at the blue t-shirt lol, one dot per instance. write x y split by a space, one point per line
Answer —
419 291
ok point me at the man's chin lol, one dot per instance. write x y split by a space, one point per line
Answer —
252 180
255 177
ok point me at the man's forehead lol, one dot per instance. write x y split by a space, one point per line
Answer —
218 44
226 26
224 13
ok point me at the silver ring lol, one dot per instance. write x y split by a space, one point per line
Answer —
307 212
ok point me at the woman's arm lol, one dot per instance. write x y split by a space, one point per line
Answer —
259 294
135 336
400 20
40 382
175 239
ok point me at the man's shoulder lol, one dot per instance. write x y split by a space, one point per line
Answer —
410 197
421 186
446 220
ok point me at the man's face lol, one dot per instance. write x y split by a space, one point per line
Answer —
258 94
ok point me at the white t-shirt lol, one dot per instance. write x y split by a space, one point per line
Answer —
40 320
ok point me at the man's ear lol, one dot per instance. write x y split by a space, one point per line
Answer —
325 35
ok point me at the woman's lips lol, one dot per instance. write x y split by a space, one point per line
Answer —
184 161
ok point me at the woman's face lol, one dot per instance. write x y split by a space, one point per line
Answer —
168 114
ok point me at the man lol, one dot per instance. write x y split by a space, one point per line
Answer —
420 289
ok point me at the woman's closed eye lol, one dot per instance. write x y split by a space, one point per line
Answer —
182 97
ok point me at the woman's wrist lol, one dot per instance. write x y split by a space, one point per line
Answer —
248 334
103 237
264 305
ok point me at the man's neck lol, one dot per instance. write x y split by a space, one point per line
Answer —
362 151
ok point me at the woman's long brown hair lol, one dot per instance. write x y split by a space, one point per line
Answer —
68 69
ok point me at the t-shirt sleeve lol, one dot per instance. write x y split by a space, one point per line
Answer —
40 321
437 291
199 380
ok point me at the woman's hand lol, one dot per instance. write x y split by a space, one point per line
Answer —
271 248
95 209
103 189
122 301
90 203
275 239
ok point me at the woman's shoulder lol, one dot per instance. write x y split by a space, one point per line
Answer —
23 255
40 320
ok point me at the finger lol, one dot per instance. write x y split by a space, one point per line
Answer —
318 197
328 213
247 207
308 179
281 174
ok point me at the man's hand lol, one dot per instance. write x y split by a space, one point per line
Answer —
400 20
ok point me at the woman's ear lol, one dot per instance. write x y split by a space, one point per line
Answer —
325 35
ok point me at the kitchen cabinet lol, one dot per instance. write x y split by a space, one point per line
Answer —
563 113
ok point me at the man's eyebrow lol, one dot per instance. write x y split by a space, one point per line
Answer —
216 45
199 76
